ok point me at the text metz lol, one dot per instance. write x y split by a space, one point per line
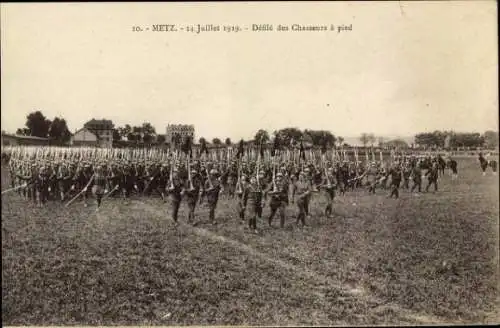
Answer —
164 28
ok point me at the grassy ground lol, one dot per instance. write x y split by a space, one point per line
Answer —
431 258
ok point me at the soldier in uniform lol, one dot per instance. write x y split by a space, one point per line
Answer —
63 179
211 190
416 175
192 193
99 181
454 169
395 173
493 165
175 191
42 186
483 162
28 175
303 190
242 197
279 199
432 176
254 192
329 183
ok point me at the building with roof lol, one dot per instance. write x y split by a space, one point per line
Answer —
182 130
102 129
16 140
84 137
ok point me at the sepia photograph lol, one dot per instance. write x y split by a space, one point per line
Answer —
250 163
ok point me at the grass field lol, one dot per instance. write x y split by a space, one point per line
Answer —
431 258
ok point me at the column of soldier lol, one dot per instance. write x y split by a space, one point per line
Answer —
250 178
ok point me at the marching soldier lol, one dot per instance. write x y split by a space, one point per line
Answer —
175 191
454 169
395 173
483 162
329 184
192 193
242 197
42 186
98 183
493 165
254 192
416 175
279 199
303 190
211 190
432 176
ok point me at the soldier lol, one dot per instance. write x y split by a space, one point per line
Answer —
42 186
175 191
162 180
406 176
483 162
416 175
493 165
303 190
211 190
63 180
29 176
329 183
454 169
99 182
192 192
441 164
371 175
242 197
254 192
279 199
395 173
432 176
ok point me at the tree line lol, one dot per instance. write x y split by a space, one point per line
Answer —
57 131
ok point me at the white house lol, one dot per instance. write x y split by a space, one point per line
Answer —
84 137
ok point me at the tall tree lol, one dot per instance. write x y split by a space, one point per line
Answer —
58 130
340 141
38 124
161 139
289 136
125 131
228 142
491 139
216 141
262 136
117 135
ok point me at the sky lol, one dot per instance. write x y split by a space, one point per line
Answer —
406 67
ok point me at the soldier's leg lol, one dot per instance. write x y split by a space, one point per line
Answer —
241 208
98 197
191 208
212 207
281 210
175 209
302 212
274 208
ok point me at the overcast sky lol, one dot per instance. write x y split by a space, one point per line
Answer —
404 67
